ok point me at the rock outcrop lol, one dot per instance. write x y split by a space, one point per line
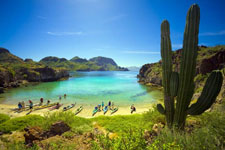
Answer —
35 134
14 71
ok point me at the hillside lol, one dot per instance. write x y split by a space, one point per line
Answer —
80 64
209 59
14 71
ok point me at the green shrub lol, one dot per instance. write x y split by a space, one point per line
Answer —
131 139
3 118
20 123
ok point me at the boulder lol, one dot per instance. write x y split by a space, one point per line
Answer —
33 134
59 128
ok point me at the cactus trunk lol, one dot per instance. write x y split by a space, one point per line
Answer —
166 53
188 65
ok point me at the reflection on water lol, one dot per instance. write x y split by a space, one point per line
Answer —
88 88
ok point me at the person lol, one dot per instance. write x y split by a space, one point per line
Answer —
31 104
99 107
19 105
64 96
41 101
132 108
102 105
48 102
109 104
60 97
23 105
112 105
57 106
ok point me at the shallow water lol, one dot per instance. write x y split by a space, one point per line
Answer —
88 88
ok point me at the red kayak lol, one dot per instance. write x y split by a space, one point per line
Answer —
55 107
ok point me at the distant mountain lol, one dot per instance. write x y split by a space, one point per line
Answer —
133 68
80 64
77 59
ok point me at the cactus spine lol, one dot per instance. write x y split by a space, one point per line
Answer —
182 84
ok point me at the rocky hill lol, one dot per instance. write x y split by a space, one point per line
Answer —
80 64
209 59
14 71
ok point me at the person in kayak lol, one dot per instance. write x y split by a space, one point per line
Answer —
31 104
41 101
57 106
102 105
19 106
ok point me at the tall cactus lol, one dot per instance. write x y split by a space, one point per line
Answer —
166 53
182 84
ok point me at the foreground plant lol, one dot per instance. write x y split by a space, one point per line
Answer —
181 86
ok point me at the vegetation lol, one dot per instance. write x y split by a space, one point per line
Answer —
129 132
19 123
184 80
79 64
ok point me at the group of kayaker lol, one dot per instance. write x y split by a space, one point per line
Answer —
100 107
21 105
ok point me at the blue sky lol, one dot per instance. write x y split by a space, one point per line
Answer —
126 30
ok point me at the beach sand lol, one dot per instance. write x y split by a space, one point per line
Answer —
86 112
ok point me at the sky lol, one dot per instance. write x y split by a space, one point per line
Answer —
126 30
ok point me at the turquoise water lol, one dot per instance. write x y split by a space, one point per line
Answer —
121 87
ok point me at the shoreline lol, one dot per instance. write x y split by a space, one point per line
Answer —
85 113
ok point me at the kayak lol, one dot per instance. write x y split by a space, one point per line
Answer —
114 110
105 110
55 107
69 107
45 106
94 112
79 110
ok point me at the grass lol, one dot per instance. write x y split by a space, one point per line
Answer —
4 118
20 123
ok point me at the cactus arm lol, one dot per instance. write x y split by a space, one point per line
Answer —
161 109
188 65
166 54
208 96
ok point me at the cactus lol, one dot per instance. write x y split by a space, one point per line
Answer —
166 53
181 85
208 96
174 83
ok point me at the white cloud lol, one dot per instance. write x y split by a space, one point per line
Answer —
212 33
65 33
140 52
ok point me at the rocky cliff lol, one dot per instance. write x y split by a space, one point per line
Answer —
14 71
209 59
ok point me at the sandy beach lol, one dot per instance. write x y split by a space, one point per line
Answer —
86 112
